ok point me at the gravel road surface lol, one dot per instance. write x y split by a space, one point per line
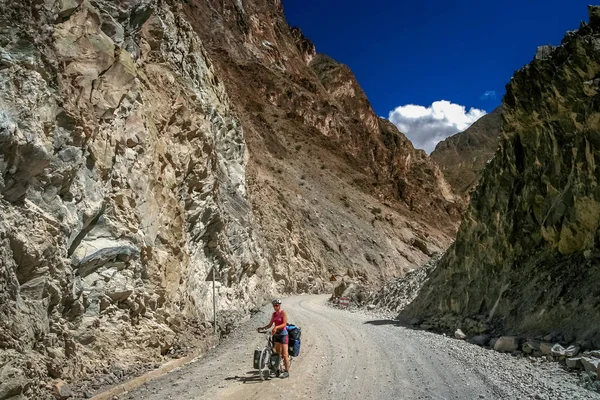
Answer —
357 355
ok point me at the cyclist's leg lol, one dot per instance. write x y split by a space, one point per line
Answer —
286 356
279 350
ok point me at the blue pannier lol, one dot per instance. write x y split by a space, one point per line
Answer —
294 333
294 347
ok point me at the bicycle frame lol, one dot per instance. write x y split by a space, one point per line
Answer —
266 363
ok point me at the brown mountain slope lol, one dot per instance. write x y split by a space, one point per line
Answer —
527 255
307 121
462 157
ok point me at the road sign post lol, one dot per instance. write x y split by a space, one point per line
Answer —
211 276
332 279
214 302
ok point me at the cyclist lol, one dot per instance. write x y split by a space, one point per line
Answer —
280 335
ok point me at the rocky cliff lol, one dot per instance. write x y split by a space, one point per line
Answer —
527 255
462 157
146 143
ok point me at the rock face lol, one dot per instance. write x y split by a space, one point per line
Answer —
527 255
144 144
336 189
122 182
462 157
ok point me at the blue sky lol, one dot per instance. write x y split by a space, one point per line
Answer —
422 52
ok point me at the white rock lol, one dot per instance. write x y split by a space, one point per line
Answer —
557 350
572 351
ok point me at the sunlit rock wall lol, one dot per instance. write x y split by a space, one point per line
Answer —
122 183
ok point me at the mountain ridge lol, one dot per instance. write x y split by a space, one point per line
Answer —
527 255
463 156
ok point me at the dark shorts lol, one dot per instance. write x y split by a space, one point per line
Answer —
279 338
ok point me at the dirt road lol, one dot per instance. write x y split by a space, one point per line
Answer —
347 355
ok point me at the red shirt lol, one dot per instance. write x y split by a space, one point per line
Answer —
278 320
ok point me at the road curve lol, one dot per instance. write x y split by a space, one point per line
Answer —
347 355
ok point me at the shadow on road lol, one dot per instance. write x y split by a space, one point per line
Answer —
394 322
252 377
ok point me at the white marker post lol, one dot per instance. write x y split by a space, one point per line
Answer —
332 279
214 302
211 276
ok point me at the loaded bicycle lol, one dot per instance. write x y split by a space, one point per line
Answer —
268 361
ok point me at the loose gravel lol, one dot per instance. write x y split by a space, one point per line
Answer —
363 354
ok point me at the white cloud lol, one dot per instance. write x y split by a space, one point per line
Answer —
427 126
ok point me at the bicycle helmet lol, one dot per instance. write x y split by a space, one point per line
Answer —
276 301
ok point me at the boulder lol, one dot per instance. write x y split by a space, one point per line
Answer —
61 390
480 340
506 344
493 342
546 348
554 336
531 346
458 334
574 363
590 364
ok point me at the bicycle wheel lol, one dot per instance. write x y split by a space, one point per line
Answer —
265 358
